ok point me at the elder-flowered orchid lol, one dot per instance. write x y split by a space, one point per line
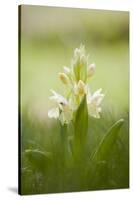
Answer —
94 103
76 80
79 64
63 109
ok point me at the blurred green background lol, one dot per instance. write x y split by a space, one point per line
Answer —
49 36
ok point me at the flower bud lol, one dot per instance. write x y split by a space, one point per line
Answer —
66 70
77 52
82 60
64 78
81 88
91 69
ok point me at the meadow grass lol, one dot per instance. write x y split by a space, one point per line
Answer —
48 164
87 154
47 168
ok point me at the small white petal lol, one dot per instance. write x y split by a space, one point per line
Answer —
97 96
53 113
58 98
66 70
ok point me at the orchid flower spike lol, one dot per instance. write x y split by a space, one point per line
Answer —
76 80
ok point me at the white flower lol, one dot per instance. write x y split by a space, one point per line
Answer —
57 98
66 70
63 109
91 70
76 79
94 102
53 113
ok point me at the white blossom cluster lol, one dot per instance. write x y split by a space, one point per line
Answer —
76 79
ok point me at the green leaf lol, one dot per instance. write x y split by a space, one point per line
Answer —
97 165
80 128
107 142
81 121
38 159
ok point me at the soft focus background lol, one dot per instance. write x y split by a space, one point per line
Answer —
48 38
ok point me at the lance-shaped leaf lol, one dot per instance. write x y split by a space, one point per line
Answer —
97 166
107 142
81 120
81 127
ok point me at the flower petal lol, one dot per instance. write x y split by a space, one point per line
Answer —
53 113
58 98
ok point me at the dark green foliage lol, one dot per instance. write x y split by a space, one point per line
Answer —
49 163
106 144
39 160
